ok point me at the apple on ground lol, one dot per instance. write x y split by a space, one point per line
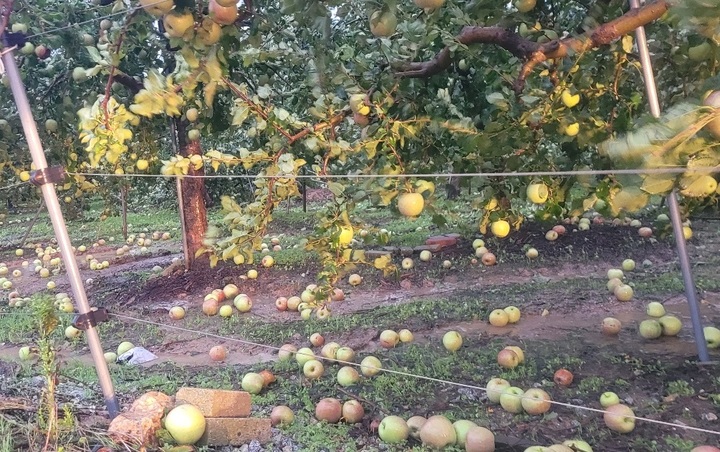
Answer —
462 427
177 312
405 336
253 383
281 303
609 398
225 311
329 350
619 418
563 377
452 341
218 353
511 400
499 317
513 314
281 415
304 355
313 369
389 339
352 411
670 324
518 351
286 352
329 410
243 303
495 388
536 401
407 263
393 429
479 439
712 336
578 445
508 359
615 273
370 366
185 423
293 303
124 347
354 279
347 376
345 354
611 326
425 255
623 292
415 423
317 340
438 432
650 329
655 309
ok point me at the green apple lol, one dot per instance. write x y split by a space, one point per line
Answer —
535 401
304 355
655 309
609 399
495 388
347 376
452 341
650 329
615 273
370 366
511 400
628 265
461 430
712 336
313 369
252 382
393 429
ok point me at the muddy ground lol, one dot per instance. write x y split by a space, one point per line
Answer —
562 297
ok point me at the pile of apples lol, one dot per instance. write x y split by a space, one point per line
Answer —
486 257
390 338
212 303
513 399
437 432
615 284
510 357
503 317
307 302
661 324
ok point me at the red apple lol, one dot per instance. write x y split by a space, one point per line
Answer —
338 294
317 340
329 410
223 15
508 359
563 377
488 259
352 412
218 353
560 229
268 377
389 339
219 295
210 306
281 304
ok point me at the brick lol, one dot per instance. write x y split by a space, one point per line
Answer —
406 251
138 426
216 402
442 240
432 248
374 254
235 431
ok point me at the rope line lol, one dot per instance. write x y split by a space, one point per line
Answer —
406 374
670 170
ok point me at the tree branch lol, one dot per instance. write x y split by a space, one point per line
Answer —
532 52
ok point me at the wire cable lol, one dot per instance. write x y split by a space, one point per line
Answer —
406 374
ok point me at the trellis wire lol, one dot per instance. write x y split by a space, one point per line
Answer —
401 373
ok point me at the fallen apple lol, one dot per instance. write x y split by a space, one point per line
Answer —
563 377
304 355
185 423
243 303
479 439
225 311
370 366
438 432
110 357
345 354
328 410
286 352
536 401
612 284
518 351
670 324
405 336
268 377
619 418
281 303
354 279
313 369
578 445
210 307
393 430
650 329
499 317
531 253
712 336
230 291
462 427
293 303
488 259
218 353
611 326
495 388
511 400
177 312
352 412
347 376
329 350
407 263
281 415
452 341
645 232
253 383
389 339
609 398
415 423
655 309
615 273
513 314
628 265
508 359
124 347
425 255
623 292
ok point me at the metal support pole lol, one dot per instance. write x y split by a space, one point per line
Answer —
672 200
58 222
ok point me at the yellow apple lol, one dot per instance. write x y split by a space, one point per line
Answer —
569 99
223 15
572 129
176 25
157 8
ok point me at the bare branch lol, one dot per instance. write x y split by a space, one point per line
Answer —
532 52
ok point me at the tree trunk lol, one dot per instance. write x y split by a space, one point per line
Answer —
193 197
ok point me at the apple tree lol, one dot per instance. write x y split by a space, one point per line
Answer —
383 88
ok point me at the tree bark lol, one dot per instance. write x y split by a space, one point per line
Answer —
193 197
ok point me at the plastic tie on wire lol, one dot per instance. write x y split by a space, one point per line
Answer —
53 175
90 319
